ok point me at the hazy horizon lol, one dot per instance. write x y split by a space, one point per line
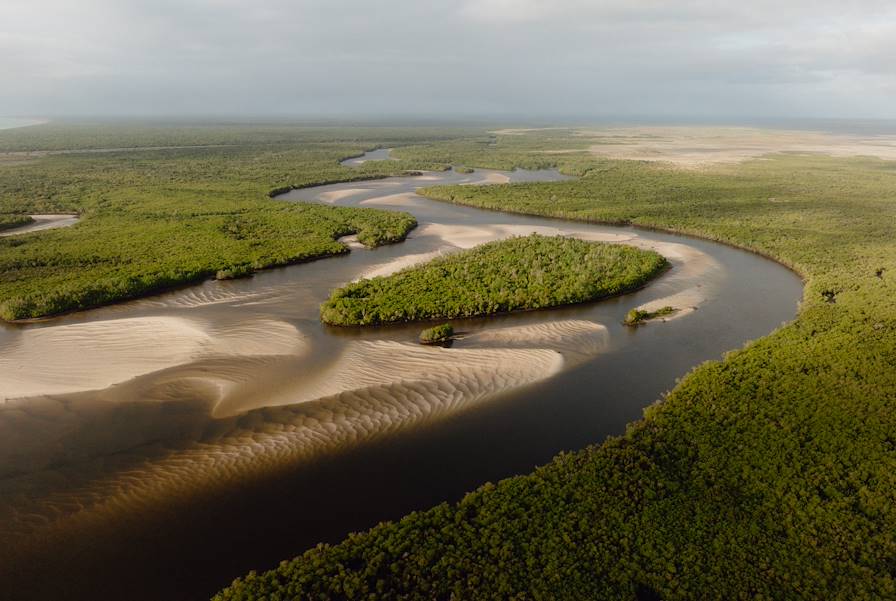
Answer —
517 60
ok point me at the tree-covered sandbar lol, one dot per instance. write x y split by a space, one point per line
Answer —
521 273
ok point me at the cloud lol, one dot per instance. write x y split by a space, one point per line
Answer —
503 11
516 57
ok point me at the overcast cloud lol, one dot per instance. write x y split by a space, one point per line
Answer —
808 58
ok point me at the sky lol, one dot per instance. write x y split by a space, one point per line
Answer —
555 58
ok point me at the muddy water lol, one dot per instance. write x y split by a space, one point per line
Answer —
159 448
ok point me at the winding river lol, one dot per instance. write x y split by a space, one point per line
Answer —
159 448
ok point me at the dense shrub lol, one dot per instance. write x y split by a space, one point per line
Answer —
636 316
12 221
440 333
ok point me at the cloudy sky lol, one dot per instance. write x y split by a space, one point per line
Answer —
688 58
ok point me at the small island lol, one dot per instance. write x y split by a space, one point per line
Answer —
522 273
639 316
437 334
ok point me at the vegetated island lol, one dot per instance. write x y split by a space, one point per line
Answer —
437 334
521 273
639 316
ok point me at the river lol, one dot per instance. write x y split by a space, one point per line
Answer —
159 448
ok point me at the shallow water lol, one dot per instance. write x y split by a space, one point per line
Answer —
164 446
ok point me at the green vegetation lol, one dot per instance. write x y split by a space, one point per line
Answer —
235 272
436 334
532 272
768 475
7 222
538 149
153 219
465 170
636 316
92 135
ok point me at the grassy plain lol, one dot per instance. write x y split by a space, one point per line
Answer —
770 474
523 273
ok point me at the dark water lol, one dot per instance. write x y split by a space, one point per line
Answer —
136 491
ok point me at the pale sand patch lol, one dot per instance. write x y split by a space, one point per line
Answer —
43 222
492 177
402 199
468 236
95 355
480 364
400 263
698 146
428 177
352 242
334 196
516 131
215 292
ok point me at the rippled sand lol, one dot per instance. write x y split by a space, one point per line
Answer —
95 355
400 263
373 389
